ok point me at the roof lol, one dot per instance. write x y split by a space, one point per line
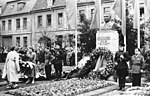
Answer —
42 4
11 7
2 2
103 1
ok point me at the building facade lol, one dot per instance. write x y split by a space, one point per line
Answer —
24 22
16 22
51 20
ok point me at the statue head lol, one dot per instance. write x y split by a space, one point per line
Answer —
107 17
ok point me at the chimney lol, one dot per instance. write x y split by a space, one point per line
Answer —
49 3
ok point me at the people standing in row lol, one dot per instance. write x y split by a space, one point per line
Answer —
136 66
12 68
32 72
121 59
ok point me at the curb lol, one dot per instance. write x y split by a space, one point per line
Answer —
100 92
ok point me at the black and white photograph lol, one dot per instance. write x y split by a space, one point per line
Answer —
74 47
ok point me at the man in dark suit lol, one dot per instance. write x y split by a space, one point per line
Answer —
121 59
58 62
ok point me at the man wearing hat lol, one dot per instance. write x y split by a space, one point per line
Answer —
58 62
121 59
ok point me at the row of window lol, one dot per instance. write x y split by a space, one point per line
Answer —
17 24
49 20
25 41
40 20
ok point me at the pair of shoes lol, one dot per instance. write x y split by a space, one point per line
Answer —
119 89
8 86
28 81
123 89
15 86
33 82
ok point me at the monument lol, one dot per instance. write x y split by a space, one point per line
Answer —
108 37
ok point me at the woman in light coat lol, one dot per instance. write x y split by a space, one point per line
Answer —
12 68
136 65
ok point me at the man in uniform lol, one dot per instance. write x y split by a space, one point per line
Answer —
58 62
121 59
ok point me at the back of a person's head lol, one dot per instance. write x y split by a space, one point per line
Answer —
12 48
16 48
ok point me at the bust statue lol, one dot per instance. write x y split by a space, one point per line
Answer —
108 24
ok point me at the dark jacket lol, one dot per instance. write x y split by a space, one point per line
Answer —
122 67
42 56
122 62
58 57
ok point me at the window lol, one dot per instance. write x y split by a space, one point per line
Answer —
20 6
92 13
24 23
3 25
81 15
17 24
60 19
18 41
9 24
25 43
141 11
106 9
59 40
49 20
71 37
39 21
81 12
12 6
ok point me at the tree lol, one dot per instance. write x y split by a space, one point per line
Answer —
132 33
87 36
44 39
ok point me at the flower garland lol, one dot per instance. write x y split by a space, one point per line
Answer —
106 72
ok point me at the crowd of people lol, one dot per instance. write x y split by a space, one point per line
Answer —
29 62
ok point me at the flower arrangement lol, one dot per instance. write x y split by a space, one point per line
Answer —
69 87
106 53
108 70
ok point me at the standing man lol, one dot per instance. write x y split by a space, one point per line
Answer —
121 59
58 62
47 63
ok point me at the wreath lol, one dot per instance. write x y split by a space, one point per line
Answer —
102 72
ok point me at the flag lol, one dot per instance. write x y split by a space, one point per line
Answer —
147 10
71 8
136 18
97 17
118 8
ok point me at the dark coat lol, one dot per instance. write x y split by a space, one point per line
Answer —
58 57
122 67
